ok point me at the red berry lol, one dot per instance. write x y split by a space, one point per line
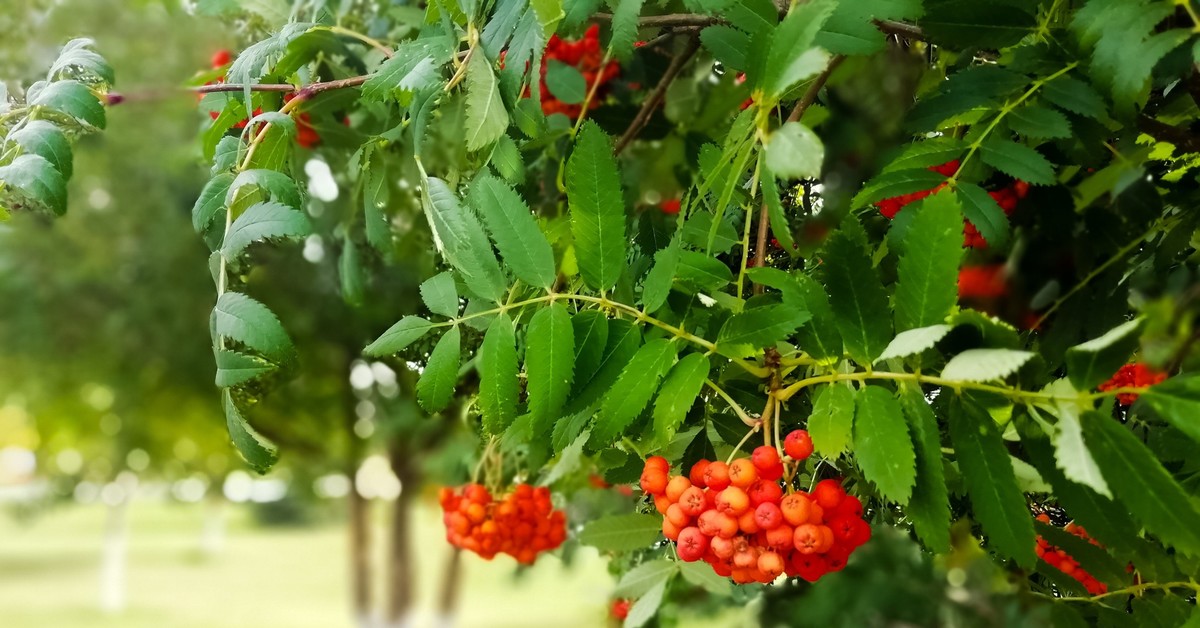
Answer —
798 445
697 474
221 58
766 460
716 476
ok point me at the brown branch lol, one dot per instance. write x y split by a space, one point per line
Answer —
901 29
1181 137
302 91
656 96
692 20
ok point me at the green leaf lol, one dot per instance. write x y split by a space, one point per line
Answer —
820 338
792 58
1036 121
235 368
1127 44
462 240
703 271
565 82
624 28
1093 362
405 332
727 45
77 59
647 606
514 230
895 183
637 384
981 365
351 274
549 13
780 227
984 212
851 29
882 446
1075 96
639 580
1176 401
795 152
374 200
440 294
74 100
501 26
39 137
991 483
549 364
414 66
211 203
260 453
597 208
702 575
498 385
973 25
929 507
927 287
436 386
914 341
225 153
242 319
278 187
831 423
624 339
262 222
657 286
590 328
924 154
487 119
857 298
1018 161
1139 480
760 327
678 394
621 533
1072 455
37 181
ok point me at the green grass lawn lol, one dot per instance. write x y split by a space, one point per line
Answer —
264 577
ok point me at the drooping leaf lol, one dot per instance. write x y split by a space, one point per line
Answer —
760 327
914 341
831 423
498 385
1176 401
1018 161
462 240
851 29
235 368
590 328
820 338
240 318
565 82
263 222
776 214
678 394
795 152
211 202
657 286
78 60
984 212
926 153
981 365
1075 96
275 185
984 24
1141 483
882 445
597 208
410 69
646 607
37 181
549 364
857 298
1037 121
637 581
1072 455
637 385
703 271
624 28
991 483
374 198
1094 361
39 137
791 58
1126 44
928 269
895 183
260 453
436 385
405 332
440 295
929 507
487 119
621 533
74 100
514 230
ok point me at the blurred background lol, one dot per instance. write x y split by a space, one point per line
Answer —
121 501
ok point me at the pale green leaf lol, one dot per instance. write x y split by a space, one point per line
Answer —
412 67
791 58
638 581
657 286
851 29
1093 362
831 423
405 332
624 28
565 82
498 385
436 385
981 365
795 152
487 119
1072 455
37 181
39 137
984 212
235 368
914 341
646 607
621 533
549 364
440 295
211 202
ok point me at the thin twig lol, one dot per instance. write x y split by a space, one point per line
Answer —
692 20
656 96
810 95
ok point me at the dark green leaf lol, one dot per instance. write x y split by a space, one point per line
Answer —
1018 161
409 69
260 453
263 222
549 364
1091 363
1176 401
927 287
565 82
895 183
440 295
760 327
929 507
436 386
514 230
235 368
882 446
1075 96
780 228
637 384
74 100
590 328
831 423
703 271
678 394
624 28
820 338
727 45
926 153
1039 122
211 203
792 58
242 319
405 332
498 385
972 25
39 137
37 181
851 30
597 208
463 242
657 286
857 298
984 212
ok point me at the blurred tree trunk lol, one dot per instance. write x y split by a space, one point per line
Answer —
400 598
359 509
451 578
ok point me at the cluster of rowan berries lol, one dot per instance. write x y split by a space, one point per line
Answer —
1006 197
737 518
522 523
1063 562
584 55
1134 375
982 282
306 134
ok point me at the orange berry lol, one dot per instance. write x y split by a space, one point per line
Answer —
676 486
806 539
676 515
670 530
693 501
771 564
762 492
742 473
796 508
726 526
721 547
733 501
747 523
768 515
781 538
716 476
654 481
658 463
766 460
697 474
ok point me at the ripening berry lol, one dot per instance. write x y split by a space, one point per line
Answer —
619 610
692 544
807 539
798 445
721 547
661 503
745 559
733 501
221 58
716 476
670 206
850 506
763 491
727 526
816 514
670 530
677 486
771 564
766 460
693 502
657 462
796 508
768 515
676 516
654 481
742 473
828 493
810 566
835 558
781 537
747 523
697 474
709 522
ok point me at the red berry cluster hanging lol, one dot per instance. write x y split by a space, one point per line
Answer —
1063 562
1006 197
522 523
306 134
738 519
584 55
982 282
1135 375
